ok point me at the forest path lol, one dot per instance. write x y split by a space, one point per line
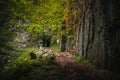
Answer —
73 70
78 71
67 69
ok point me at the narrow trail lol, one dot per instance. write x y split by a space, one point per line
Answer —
69 69
73 70
77 71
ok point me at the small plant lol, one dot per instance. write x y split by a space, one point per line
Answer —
23 67
84 61
77 58
56 47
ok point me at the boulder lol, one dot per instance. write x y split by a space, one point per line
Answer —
22 39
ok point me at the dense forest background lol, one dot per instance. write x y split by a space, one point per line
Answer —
86 29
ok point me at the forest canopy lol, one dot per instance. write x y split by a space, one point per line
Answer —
33 16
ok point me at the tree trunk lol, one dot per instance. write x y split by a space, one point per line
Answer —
63 37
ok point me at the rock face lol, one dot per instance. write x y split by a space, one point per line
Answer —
45 52
22 39
98 32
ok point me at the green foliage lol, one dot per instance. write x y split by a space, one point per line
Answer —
24 68
41 15
86 62
77 58
19 65
56 47
22 55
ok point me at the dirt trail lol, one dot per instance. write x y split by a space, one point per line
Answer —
78 71
69 69
73 70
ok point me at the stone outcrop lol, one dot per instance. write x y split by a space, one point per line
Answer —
45 52
22 39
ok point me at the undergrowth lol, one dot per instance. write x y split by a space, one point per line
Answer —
86 62
24 68
56 47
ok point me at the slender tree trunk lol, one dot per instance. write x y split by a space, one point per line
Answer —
63 37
